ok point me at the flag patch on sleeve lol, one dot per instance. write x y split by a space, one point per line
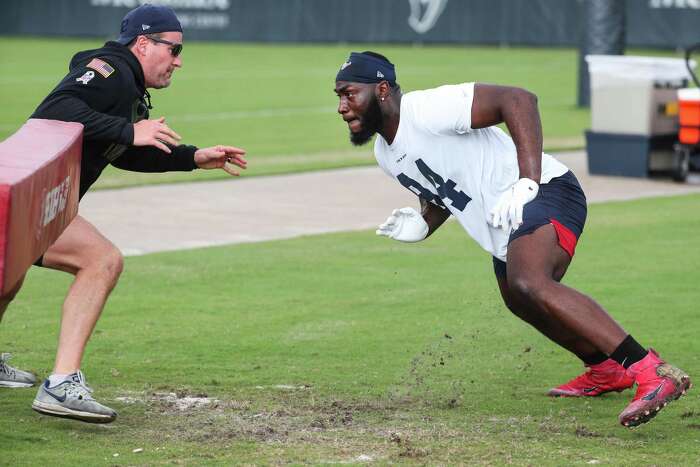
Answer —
100 66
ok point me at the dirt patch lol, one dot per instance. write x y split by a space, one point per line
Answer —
173 400
425 381
397 426
583 432
407 449
359 431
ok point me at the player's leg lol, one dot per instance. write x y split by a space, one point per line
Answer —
543 323
96 263
532 262
602 375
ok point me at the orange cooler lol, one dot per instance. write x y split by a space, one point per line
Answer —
689 115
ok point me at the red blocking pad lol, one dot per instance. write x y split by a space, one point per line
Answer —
39 182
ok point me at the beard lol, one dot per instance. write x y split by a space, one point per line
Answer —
371 123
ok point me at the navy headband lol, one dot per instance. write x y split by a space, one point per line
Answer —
365 68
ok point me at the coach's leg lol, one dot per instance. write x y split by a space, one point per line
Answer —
9 296
11 377
96 263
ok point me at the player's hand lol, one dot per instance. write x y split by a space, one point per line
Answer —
221 157
155 133
404 225
508 212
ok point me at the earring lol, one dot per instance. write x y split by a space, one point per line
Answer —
382 99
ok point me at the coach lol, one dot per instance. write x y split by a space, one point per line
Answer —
105 90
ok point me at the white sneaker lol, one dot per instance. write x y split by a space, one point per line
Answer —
72 398
11 377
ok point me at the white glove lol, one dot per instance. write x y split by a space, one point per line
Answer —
508 212
404 225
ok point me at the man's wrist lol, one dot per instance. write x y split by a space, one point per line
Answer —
528 180
526 189
194 158
127 134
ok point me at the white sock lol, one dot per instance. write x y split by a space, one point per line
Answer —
55 379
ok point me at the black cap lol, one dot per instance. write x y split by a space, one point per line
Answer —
148 19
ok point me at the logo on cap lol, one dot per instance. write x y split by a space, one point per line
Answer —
380 74
145 26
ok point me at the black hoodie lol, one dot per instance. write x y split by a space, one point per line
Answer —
105 91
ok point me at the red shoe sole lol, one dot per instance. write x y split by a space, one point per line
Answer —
649 412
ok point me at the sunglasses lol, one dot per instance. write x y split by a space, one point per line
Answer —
175 48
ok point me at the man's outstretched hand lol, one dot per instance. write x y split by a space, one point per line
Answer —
221 157
155 133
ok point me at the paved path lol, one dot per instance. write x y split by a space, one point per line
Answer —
190 215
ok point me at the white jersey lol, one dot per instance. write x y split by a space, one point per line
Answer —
437 155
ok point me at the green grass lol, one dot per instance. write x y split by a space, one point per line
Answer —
323 358
277 101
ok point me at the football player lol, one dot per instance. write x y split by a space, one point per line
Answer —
522 206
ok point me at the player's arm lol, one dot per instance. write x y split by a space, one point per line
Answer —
410 226
517 108
433 215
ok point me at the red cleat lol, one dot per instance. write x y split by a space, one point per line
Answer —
599 379
658 383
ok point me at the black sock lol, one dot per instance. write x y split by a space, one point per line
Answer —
628 352
594 359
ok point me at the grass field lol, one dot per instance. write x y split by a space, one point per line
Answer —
344 348
370 351
277 100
